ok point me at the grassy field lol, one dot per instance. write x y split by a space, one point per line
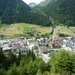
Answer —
19 28
72 29
64 30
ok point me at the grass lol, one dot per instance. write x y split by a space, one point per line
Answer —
72 29
24 35
63 30
19 28
28 28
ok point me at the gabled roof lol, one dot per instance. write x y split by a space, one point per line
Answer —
73 40
68 44
43 43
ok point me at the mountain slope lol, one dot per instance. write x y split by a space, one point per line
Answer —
14 9
42 5
62 11
17 11
3 4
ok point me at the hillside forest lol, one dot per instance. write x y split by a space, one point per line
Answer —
17 11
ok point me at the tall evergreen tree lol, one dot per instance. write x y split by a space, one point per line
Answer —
13 70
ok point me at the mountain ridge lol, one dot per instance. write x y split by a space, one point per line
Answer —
18 11
62 11
32 4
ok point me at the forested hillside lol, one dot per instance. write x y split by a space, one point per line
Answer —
42 5
17 11
62 11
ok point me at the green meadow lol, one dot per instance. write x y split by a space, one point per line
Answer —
20 29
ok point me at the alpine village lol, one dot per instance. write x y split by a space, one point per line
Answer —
37 39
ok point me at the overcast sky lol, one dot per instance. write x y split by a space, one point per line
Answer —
29 1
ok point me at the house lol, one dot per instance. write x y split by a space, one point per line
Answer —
56 42
43 49
21 38
31 31
15 47
33 47
4 42
68 45
6 48
24 49
43 43
72 40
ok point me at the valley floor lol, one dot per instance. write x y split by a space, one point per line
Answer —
19 28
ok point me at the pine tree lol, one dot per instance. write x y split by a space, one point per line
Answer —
13 70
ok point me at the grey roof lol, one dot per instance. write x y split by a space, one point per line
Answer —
24 48
43 43
16 46
73 40
68 44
